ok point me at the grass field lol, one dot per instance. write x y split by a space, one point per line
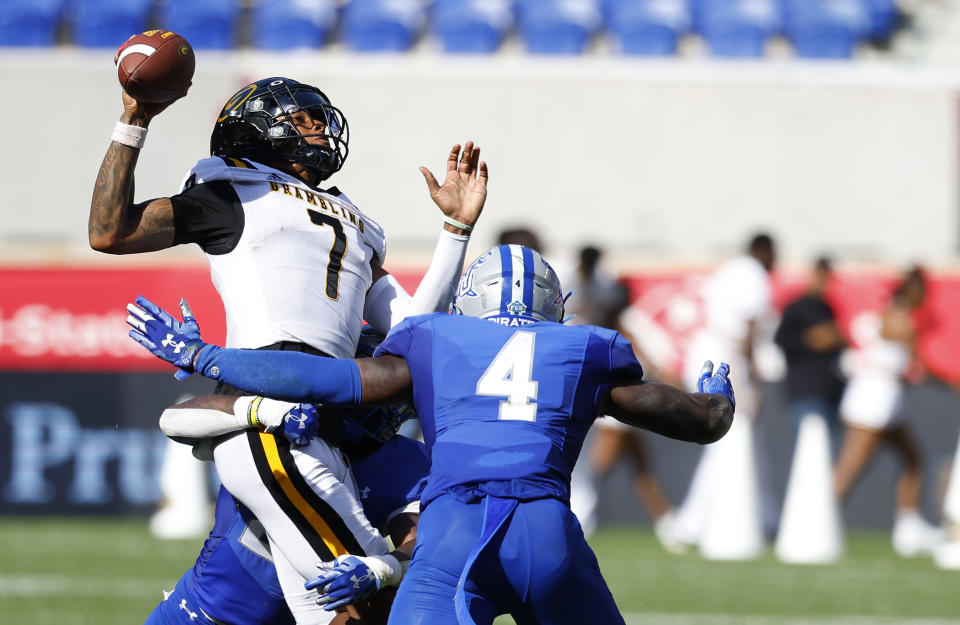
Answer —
108 572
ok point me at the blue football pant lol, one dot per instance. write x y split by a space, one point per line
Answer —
180 607
538 568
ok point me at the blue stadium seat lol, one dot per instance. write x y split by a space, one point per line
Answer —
648 27
884 15
558 26
207 24
739 28
29 22
382 25
291 24
108 23
475 26
826 29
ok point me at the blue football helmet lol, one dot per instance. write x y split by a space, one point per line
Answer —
512 285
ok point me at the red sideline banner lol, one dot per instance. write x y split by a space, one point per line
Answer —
67 319
667 310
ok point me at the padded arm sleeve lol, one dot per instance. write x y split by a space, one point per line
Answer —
291 376
199 422
387 303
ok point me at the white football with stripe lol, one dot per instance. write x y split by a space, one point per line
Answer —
155 66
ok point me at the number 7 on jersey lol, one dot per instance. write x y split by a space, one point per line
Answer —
511 375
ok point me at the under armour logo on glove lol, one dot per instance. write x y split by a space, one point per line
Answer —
347 580
301 423
167 342
175 341
361 581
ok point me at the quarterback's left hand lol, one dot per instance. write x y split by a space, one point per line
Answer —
464 190
719 383
349 579
167 338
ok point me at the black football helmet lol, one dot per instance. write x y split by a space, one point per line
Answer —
253 124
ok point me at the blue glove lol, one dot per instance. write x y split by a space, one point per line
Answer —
301 423
347 581
168 339
710 382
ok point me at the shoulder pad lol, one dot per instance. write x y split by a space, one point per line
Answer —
214 168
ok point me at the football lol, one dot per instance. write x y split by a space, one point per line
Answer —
155 66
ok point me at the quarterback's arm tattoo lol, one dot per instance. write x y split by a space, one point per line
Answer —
694 417
117 225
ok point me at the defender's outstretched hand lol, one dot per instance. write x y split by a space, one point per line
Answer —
167 338
464 190
710 382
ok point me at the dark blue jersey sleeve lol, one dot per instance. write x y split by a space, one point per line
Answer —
400 337
624 366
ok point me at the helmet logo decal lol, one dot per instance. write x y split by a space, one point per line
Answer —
516 307
465 287
236 101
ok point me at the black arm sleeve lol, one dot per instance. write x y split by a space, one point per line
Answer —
209 214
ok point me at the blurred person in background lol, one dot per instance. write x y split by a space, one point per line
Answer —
873 412
812 344
520 235
598 298
735 297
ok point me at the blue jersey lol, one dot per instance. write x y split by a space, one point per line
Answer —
234 580
505 410
389 479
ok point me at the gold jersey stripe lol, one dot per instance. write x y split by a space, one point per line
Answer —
293 495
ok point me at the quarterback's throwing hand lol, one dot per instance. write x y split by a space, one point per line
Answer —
719 383
167 338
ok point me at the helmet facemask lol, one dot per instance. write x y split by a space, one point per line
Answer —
256 124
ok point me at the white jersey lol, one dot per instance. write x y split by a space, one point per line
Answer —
301 267
736 294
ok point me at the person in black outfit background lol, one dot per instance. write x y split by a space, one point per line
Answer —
812 343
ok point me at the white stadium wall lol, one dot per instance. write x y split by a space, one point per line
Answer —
672 161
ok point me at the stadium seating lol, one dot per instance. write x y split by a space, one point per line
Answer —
382 25
291 24
208 24
826 29
738 28
883 17
558 26
474 26
29 22
107 23
648 27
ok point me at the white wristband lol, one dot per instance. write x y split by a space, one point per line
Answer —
133 136
387 568
261 411
457 224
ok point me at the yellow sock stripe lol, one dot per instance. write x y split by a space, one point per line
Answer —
311 515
